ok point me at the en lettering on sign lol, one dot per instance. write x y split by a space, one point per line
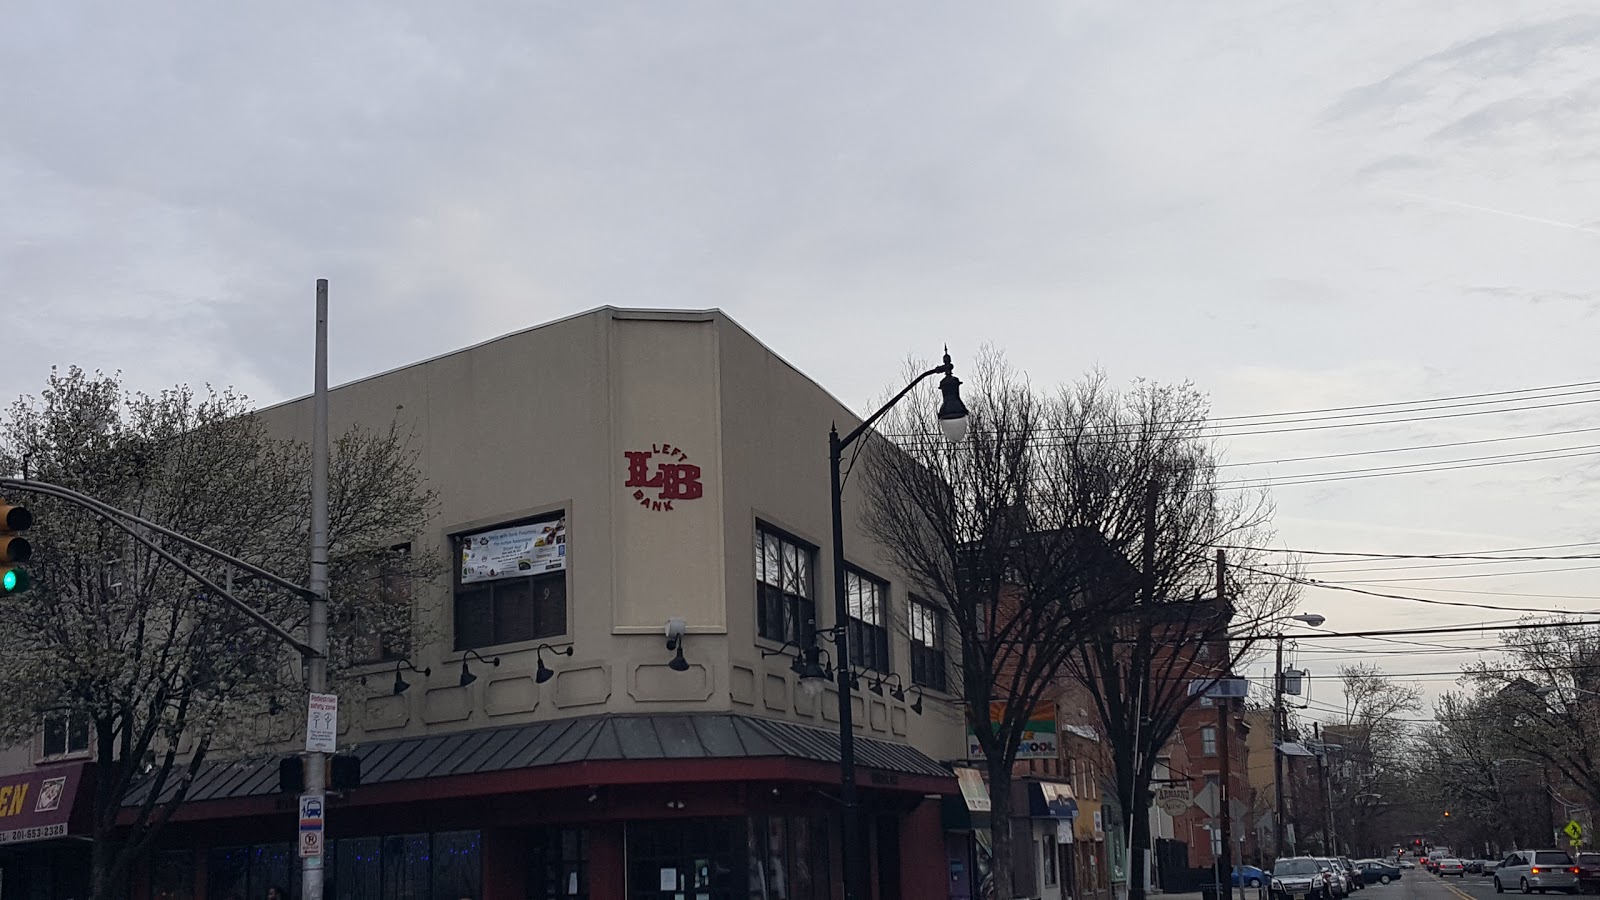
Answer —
322 723
672 477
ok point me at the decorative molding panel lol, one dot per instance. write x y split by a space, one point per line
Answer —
742 685
583 686
505 696
656 682
380 713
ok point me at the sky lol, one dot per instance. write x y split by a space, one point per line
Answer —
1294 205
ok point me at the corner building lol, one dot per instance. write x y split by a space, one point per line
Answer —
599 476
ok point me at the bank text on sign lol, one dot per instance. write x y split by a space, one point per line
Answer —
661 475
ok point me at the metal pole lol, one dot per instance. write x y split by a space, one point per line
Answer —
1278 785
317 666
850 823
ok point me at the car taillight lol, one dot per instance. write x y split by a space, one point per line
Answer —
1574 870
1534 870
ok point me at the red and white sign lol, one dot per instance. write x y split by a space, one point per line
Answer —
661 475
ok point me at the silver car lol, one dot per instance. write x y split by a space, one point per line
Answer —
1537 870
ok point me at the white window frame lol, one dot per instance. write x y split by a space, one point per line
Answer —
84 752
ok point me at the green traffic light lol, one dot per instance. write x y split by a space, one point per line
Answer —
14 581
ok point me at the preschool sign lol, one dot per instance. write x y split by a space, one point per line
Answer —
37 805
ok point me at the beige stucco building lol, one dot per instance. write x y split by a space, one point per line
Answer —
599 477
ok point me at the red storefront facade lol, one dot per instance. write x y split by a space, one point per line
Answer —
589 820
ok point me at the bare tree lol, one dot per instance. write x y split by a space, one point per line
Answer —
115 641
1024 539
1366 749
1541 700
1145 479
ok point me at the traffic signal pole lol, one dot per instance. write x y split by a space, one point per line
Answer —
316 769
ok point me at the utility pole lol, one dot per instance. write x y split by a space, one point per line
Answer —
316 768
1327 791
1279 787
1224 726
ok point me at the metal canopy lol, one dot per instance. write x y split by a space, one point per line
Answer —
559 741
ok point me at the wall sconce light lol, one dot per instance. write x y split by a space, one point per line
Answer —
674 804
897 692
466 674
676 629
544 672
916 705
400 685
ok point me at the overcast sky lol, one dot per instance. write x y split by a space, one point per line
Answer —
1294 205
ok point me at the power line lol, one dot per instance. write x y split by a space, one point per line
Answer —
1371 555
1477 575
1311 582
1415 447
1432 401
1388 471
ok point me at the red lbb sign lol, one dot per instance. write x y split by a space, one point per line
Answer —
675 478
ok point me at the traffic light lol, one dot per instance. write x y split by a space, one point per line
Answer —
14 548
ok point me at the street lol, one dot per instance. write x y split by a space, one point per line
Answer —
1432 887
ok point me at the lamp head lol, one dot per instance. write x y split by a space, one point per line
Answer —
400 684
543 673
1312 619
952 412
679 664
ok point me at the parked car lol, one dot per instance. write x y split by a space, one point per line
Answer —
1448 867
1537 870
1474 866
1406 864
1376 871
1588 872
1489 865
1351 875
1248 876
1338 881
1298 878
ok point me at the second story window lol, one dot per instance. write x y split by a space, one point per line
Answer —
784 604
380 625
867 600
927 645
66 733
1208 741
511 583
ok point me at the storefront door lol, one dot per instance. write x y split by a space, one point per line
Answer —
693 859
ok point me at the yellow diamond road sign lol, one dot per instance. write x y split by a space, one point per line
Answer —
1574 830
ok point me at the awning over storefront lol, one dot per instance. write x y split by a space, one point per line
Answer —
1051 800
38 805
668 746
969 811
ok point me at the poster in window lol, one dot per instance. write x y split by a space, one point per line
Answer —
515 552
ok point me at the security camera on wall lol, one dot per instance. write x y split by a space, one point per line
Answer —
676 628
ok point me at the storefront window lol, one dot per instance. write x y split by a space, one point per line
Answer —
443 866
558 864
788 858
172 875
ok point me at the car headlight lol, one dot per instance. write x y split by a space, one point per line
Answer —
1277 885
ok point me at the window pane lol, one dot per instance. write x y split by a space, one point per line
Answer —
406 867
550 604
474 619
55 734
513 611
274 866
172 875
227 873
356 869
78 733
457 865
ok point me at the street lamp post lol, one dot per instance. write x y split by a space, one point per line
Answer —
1279 725
953 422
